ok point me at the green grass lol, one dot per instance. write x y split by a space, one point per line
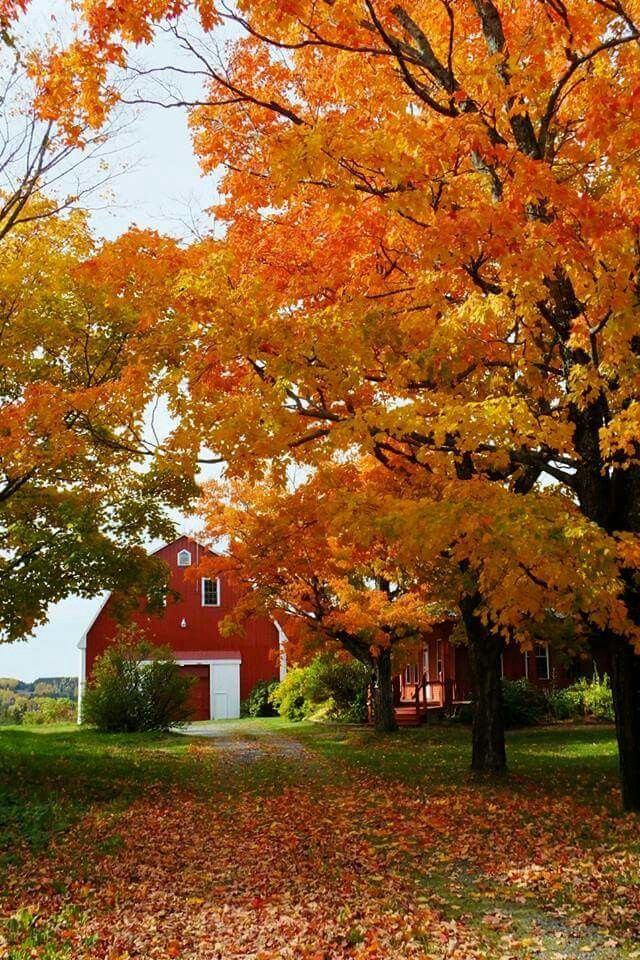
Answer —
438 755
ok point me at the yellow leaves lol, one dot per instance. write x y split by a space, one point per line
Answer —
620 439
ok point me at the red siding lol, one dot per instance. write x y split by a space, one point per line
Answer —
454 662
200 696
257 643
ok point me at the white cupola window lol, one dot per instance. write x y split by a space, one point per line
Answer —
184 558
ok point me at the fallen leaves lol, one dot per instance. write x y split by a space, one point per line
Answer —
339 865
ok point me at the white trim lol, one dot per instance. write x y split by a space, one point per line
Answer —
181 553
95 617
189 663
202 583
282 649
185 536
546 652
82 674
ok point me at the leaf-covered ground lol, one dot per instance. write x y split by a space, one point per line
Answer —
268 841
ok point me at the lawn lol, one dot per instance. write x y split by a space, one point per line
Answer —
276 840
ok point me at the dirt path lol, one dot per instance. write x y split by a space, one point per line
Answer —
232 740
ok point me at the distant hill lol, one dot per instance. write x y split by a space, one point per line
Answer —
43 687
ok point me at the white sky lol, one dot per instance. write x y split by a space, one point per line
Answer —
162 188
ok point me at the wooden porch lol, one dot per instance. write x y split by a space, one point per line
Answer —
417 703
423 699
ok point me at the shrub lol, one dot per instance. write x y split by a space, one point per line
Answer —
136 687
289 696
338 685
598 699
524 704
328 685
13 706
586 700
259 703
567 704
42 710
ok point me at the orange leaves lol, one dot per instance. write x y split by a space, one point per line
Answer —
315 553
72 85
430 256
11 10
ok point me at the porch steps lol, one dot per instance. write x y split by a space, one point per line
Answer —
406 715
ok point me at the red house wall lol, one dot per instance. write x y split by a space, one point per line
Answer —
257 643
455 671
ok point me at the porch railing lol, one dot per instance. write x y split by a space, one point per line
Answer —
432 692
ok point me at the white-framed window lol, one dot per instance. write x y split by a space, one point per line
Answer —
411 673
184 558
542 661
210 592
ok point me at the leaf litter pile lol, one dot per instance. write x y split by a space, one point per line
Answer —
330 864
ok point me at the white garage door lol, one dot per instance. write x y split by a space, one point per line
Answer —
225 690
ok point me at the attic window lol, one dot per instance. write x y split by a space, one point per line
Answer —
184 558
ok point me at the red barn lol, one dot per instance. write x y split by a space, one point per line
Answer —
226 668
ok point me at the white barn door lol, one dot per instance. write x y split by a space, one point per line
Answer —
225 690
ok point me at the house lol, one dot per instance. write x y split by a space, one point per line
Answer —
440 678
226 668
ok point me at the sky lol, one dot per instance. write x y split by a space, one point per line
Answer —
161 188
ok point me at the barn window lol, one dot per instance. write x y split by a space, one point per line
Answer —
184 558
210 592
542 661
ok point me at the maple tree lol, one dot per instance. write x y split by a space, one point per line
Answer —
370 560
432 245
82 350
292 556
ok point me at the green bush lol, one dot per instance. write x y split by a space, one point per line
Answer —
566 704
338 685
13 706
42 710
136 687
258 703
17 709
524 704
598 699
328 685
289 696
584 700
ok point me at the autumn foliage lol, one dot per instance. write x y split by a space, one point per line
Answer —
431 256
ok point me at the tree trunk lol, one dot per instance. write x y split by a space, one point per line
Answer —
611 498
488 753
384 714
625 686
